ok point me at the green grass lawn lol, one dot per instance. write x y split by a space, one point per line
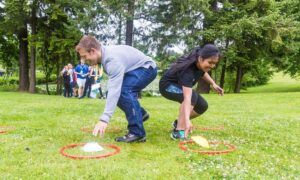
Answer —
278 83
265 127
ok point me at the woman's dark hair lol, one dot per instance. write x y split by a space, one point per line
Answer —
207 51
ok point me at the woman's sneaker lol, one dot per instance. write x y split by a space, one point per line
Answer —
174 124
177 134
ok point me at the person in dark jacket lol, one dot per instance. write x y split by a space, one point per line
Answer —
177 85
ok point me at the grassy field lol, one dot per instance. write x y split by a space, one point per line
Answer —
263 126
278 83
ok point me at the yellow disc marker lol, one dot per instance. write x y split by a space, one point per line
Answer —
201 141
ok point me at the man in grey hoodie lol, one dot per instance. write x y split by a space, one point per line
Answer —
129 71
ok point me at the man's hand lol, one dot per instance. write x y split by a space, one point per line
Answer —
100 127
218 89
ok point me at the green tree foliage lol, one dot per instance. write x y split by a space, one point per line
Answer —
56 37
252 34
8 46
15 23
256 37
287 45
55 34
9 53
255 31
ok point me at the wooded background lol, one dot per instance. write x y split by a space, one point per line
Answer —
256 37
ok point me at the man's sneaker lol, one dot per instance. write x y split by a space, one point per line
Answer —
128 138
177 134
145 117
174 124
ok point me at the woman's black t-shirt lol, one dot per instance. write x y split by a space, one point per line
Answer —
187 78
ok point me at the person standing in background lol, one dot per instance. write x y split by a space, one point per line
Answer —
90 80
98 78
82 71
72 80
66 78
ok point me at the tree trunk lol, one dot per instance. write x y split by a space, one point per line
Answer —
238 81
47 83
119 31
129 28
58 77
129 22
33 51
32 72
222 78
223 70
215 70
23 59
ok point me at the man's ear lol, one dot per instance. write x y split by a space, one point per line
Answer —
92 50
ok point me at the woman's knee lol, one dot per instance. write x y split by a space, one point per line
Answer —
201 106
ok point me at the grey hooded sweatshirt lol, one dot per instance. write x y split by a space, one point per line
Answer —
118 60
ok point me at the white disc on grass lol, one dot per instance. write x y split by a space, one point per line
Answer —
92 147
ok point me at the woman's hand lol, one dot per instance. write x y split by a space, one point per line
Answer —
188 128
218 89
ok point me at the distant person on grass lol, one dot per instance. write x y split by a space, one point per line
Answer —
82 70
67 82
98 75
98 78
73 80
129 71
90 80
177 83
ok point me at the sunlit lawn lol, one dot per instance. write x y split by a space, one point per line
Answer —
263 126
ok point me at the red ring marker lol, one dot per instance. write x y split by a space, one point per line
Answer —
62 151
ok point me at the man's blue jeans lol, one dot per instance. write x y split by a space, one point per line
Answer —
134 81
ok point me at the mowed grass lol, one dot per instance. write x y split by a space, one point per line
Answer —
264 127
279 83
